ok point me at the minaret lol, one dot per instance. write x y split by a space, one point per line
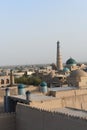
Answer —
59 58
11 78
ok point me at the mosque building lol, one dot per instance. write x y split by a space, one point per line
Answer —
6 79
57 76
78 78
71 64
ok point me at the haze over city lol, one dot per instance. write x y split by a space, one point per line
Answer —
29 30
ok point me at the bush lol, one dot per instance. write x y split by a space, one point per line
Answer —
28 80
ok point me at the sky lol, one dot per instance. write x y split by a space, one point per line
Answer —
29 30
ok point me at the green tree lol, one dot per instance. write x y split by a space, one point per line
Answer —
28 80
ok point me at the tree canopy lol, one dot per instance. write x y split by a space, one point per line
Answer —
33 80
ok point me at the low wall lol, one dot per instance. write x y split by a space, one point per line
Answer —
35 119
79 102
13 91
68 93
7 121
48 104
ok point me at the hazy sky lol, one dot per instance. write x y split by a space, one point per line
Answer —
29 30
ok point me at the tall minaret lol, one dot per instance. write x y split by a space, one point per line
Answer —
59 58
11 78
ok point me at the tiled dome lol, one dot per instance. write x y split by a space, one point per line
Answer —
43 84
66 69
71 61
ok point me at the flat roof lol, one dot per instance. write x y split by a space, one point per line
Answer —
33 97
62 88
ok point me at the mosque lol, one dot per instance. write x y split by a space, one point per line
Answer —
70 65
54 108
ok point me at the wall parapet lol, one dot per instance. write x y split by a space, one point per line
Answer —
64 112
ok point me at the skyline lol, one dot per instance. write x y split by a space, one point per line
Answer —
29 31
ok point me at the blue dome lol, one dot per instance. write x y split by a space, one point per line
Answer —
43 84
20 86
66 70
71 61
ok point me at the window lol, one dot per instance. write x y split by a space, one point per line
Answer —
2 81
7 81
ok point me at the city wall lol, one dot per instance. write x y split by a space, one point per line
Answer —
44 117
7 121
28 118
78 102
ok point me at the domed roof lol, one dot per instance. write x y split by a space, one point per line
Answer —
78 73
66 69
20 86
71 61
43 84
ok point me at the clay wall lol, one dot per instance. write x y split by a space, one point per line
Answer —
36 119
68 93
7 121
77 101
13 91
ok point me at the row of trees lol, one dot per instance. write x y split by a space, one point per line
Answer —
28 80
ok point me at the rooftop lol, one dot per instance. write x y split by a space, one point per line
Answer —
62 88
78 73
33 97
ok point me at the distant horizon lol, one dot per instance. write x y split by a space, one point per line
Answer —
36 64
